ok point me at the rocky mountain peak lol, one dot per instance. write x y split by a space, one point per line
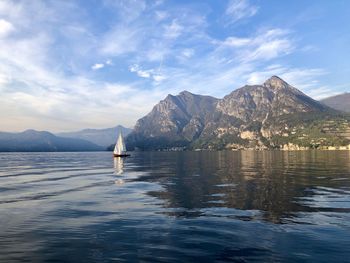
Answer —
246 112
273 98
186 93
275 82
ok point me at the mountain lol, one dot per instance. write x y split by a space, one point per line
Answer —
102 137
42 141
339 102
173 121
273 98
269 115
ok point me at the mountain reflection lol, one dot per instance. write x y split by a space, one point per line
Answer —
274 183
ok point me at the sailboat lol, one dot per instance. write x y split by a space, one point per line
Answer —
120 149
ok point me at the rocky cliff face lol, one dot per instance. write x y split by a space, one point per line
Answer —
175 119
252 116
274 98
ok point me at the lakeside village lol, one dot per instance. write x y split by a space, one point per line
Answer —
329 137
285 147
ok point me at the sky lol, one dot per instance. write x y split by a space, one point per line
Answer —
66 65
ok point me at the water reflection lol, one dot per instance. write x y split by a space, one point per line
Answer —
274 183
118 165
175 207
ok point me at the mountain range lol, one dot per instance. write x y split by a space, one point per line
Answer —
271 115
101 137
42 141
339 102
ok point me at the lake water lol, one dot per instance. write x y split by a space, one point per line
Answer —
175 207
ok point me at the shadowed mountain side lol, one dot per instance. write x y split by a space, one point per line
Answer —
42 141
339 102
101 137
174 121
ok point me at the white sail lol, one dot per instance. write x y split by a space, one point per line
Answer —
120 145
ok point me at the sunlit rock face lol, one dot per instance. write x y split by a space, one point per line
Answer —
273 98
249 116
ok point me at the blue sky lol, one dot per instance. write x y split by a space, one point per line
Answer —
67 65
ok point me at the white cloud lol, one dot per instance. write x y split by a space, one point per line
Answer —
102 65
37 93
141 73
271 44
266 45
239 9
158 78
150 73
97 66
5 28
236 41
269 50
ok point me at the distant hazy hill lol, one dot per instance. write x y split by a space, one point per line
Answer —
102 137
42 141
339 102
269 115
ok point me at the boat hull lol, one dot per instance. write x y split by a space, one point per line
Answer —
121 155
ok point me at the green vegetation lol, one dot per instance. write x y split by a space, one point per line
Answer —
314 130
219 143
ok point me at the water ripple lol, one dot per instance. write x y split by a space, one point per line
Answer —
175 207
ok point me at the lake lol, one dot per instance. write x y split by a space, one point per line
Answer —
246 206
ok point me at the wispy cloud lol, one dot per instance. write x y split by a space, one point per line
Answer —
161 15
236 42
265 45
239 9
37 94
296 76
173 30
121 40
322 93
127 10
63 68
